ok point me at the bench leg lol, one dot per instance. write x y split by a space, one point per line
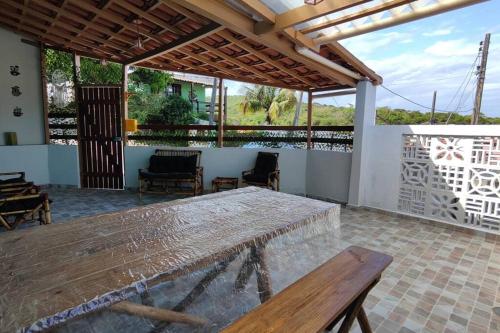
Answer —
353 312
363 321
263 277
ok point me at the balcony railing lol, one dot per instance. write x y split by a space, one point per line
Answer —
63 130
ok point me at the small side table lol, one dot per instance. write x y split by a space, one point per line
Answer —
226 183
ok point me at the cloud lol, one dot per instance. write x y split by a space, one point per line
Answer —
370 43
415 70
457 47
439 32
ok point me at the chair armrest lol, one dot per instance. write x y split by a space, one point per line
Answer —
199 170
20 173
247 172
44 196
275 172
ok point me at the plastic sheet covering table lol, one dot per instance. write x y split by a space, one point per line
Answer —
51 274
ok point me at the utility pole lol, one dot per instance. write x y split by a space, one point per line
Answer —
433 121
484 46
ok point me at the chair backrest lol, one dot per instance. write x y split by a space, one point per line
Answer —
10 180
266 163
175 161
184 153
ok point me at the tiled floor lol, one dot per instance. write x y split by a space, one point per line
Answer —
441 280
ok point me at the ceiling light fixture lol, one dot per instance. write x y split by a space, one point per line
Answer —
138 41
312 2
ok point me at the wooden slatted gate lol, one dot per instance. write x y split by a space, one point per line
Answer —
100 137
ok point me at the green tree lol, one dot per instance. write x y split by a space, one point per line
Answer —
273 101
174 111
157 81
91 70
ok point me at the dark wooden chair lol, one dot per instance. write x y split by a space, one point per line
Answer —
24 206
333 292
266 172
7 180
171 168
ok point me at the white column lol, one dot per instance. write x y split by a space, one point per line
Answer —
364 118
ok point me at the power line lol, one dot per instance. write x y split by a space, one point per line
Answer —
411 101
467 75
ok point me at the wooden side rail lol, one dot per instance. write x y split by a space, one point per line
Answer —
334 291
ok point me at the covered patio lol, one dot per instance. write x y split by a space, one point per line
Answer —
428 196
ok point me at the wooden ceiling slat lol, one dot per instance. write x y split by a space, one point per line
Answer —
176 44
108 15
238 62
241 43
145 15
175 38
83 21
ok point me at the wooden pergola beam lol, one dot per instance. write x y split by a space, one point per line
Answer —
220 116
243 45
416 13
336 93
348 57
305 13
242 24
177 44
260 9
357 15
309 119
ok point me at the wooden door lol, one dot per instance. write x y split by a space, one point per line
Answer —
100 136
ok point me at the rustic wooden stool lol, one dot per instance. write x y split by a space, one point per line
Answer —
227 183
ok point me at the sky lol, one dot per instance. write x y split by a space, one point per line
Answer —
434 53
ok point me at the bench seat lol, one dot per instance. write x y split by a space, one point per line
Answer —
319 300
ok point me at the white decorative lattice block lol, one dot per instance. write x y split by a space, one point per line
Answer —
416 147
445 206
415 173
484 182
482 213
486 151
448 178
412 201
448 150
452 178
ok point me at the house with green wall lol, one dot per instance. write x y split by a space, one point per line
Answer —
191 87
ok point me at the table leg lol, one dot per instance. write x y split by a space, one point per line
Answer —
245 272
197 290
263 277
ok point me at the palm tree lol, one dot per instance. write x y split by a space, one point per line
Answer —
274 101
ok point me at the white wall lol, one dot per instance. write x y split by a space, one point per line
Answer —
32 159
381 187
63 165
321 174
228 162
328 175
29 127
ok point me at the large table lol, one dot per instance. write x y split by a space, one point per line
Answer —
53 273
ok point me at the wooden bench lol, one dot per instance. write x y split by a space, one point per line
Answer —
322 298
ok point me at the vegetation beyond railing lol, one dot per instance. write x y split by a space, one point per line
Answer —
63 130
323 137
